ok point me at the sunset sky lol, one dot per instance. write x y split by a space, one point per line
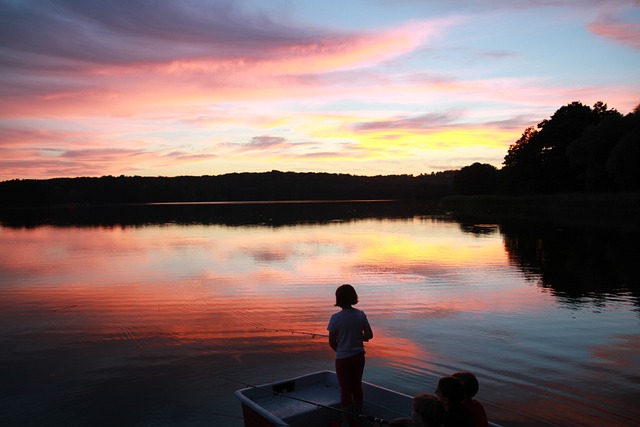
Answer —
366 87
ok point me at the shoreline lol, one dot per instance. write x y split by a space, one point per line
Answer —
611 210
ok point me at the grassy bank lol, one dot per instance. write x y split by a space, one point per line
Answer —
620 210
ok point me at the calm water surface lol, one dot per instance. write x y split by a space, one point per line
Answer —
152 321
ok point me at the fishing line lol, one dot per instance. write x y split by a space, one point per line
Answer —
312 334
310 402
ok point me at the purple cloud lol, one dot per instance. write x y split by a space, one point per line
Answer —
103 153
183 155
92 32
423 121
265 142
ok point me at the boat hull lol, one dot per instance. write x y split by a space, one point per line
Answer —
314 400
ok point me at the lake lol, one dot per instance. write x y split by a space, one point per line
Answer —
155 315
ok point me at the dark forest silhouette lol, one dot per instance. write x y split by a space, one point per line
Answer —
273 186
579 149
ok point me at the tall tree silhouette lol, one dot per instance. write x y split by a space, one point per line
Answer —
476 179
538 163
624 163
588 154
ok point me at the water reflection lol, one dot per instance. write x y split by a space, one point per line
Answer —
115 322
273 214
578 265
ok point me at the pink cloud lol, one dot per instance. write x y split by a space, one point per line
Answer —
613 29
28 153
182 85
321 54
127 89
178 53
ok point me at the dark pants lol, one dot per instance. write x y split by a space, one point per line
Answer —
349 371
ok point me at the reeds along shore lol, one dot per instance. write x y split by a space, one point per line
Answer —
618 210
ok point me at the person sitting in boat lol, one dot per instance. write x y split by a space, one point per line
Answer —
426 411
348 330
450 392
475 408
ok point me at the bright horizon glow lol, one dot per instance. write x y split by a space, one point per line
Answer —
368 88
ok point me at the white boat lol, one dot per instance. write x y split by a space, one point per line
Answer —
313 400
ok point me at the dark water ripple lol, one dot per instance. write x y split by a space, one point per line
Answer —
157 324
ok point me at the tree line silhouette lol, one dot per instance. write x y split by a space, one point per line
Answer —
579 149
273 186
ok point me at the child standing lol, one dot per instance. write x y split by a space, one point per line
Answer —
348 330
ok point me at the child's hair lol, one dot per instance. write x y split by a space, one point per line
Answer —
469 381
429 408
346 295
452 389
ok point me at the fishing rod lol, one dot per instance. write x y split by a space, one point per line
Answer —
310 402
312 334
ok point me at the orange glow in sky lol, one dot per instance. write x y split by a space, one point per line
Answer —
248 86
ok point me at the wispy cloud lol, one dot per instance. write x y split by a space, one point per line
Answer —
130 58
422 122
265 142
101 33
617 30
211 37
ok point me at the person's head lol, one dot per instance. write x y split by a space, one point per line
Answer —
450 392
427 411
470 383
346 296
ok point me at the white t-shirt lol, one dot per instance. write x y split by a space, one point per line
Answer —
348 324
